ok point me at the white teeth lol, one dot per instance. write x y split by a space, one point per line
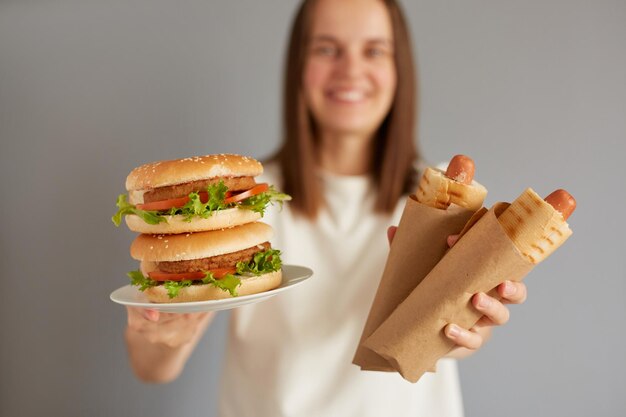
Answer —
351 96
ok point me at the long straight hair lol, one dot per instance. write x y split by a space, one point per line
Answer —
395 150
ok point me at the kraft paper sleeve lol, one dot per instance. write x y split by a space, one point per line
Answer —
419 243
412 338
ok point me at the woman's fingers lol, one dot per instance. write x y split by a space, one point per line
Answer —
150 314
452 239
391 232
495 313
469 339
512 292
169 329
491 308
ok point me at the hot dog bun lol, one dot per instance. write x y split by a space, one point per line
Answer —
536 227
439 191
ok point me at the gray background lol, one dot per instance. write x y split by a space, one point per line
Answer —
535 91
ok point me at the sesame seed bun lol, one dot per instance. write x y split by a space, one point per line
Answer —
177 224
179 171
187 246
203 292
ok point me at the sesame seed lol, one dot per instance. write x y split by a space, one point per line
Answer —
167 246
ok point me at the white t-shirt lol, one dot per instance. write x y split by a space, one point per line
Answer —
292 355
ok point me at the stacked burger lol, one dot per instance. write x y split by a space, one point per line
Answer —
200 238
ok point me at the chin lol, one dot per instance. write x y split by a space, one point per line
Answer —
355 120
356 126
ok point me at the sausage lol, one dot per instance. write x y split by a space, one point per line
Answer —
563 202
461 169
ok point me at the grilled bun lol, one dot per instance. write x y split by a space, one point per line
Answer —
439 191
536 228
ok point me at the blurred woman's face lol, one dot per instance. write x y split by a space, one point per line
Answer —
349 76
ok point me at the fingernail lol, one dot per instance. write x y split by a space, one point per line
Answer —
509 288
454 331
483 301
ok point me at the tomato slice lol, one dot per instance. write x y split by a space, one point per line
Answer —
221 272
169 276
174 202
257 189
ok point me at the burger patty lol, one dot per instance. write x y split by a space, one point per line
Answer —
183 190
227 260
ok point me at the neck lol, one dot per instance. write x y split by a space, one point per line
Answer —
345 154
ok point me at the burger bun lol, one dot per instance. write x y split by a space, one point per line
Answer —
205 292
196 168
184 247
220 219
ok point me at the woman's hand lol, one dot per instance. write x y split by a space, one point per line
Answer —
159 344
169 329
495 313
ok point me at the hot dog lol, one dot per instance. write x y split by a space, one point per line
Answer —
421 242
461 169
456 186
536 226
563 202
505 243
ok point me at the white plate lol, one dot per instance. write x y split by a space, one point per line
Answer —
131 296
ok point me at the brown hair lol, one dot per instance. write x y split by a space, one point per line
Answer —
395 149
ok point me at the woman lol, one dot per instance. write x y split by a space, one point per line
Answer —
348 158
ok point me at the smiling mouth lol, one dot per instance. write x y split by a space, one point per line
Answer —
347 96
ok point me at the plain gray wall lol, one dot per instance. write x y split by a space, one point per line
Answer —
535 91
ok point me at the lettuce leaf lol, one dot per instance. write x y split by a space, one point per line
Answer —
125 208
259 202
228 282
195 207
137 279
173 287
261 263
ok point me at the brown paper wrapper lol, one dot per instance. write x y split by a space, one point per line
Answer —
419 243
412 338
